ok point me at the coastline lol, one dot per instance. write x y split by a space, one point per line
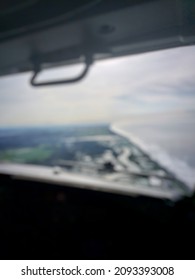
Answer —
179 168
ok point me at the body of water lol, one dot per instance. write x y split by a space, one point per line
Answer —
168 138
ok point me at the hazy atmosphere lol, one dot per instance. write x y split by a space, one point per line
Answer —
147 98
148 83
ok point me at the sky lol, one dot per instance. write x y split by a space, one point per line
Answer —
156 82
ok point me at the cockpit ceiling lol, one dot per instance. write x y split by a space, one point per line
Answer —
63 32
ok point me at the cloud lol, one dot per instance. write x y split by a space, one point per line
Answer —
151 82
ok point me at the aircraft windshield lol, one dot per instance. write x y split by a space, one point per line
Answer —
130 121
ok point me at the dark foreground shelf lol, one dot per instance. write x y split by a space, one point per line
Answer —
45 221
